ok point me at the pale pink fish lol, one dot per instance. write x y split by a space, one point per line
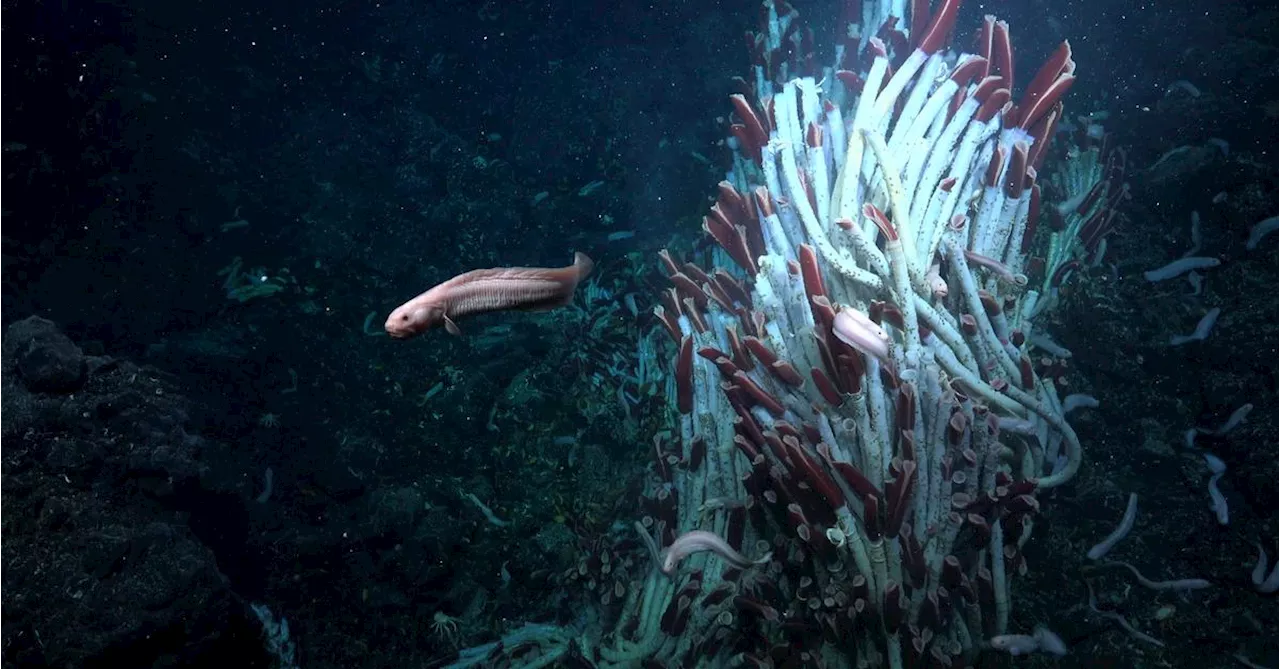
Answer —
484 290
697 541
1042 640
859 331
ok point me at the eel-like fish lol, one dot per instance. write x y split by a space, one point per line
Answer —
697 541
484 290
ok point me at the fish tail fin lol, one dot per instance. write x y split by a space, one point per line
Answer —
581 269
583 264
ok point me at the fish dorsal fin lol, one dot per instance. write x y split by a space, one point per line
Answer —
451 327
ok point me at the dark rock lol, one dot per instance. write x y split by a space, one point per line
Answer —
46 359
101 566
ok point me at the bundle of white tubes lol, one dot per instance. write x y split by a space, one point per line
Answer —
863 429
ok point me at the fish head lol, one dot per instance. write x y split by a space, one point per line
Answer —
669 561
413 319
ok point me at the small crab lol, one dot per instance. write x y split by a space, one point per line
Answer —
445 627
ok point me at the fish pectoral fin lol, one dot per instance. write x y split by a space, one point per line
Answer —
451 327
